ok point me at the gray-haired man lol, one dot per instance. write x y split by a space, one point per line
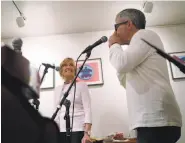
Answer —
152 107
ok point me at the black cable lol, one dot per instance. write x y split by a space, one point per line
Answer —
73 107
74 93
39 67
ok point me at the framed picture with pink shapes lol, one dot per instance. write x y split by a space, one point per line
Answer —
92 72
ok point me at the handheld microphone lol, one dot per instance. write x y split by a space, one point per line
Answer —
90 47
51 66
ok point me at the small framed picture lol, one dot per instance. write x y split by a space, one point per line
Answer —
49 78
175 71
92 72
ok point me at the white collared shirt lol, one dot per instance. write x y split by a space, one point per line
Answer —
150 98
82 106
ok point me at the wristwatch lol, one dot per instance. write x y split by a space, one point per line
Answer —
87 132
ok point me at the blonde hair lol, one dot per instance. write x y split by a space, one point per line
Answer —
66 60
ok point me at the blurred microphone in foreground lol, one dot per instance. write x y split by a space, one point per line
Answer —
20 121
17 45
34 83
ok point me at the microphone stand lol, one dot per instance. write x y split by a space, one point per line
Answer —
45 71
64 100
67 103
35 101
169 58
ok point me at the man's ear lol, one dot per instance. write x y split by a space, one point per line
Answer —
130 25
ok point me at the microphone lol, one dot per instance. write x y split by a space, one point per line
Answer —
90 47
17 44
51 66
176 62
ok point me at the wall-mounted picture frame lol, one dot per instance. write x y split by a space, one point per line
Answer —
175 72
49 78
92 72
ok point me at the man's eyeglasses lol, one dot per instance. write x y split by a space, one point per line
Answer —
116 26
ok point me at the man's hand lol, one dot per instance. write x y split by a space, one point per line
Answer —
114 38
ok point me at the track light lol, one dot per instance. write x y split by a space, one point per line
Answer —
20 20
147 7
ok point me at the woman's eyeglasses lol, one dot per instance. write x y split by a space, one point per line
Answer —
116 26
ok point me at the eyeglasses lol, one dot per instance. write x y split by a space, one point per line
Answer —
116 26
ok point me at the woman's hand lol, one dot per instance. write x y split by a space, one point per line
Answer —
86 138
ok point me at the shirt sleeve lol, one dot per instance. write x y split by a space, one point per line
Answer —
127 60
122 79
86 101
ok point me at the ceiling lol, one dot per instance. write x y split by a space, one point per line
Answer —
61 17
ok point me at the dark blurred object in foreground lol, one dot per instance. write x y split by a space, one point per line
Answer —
20 122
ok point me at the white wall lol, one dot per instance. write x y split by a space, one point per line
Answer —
109 101
174 41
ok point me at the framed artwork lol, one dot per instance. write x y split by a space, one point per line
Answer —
175 72
49 78
92 72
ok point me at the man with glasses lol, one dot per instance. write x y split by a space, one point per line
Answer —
152 107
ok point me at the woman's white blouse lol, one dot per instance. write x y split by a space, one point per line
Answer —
82 106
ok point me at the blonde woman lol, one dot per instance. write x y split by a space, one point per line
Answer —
82 106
